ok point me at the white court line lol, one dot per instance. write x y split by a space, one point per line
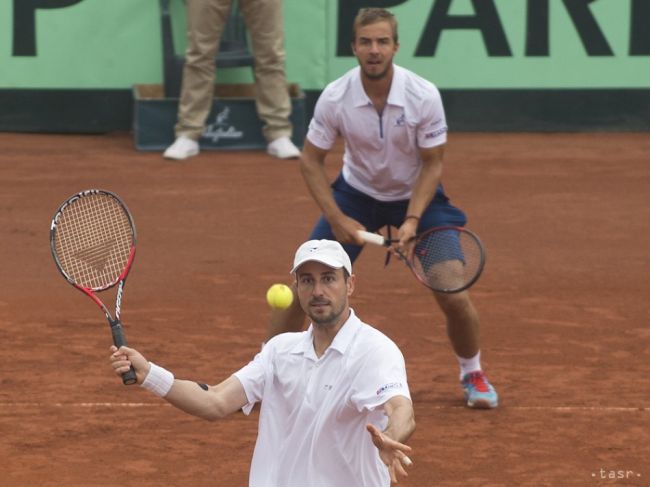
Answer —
82 404
558 408
159 404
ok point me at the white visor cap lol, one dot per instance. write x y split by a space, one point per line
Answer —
326 252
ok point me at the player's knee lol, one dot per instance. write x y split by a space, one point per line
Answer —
454 302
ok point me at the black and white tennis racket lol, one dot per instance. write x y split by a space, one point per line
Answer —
445 259
92 238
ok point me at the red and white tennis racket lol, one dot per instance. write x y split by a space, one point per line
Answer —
445 259
92 238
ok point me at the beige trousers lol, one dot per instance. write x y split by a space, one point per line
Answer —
205 24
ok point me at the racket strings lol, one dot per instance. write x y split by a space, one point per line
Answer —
448 260
93 240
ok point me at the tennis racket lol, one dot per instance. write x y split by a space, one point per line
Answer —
92 238
445 259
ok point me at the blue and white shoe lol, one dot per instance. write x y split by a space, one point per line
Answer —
479 393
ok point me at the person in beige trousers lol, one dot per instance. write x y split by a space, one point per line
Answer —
205 24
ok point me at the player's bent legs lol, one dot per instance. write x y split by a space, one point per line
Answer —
463 331
463 326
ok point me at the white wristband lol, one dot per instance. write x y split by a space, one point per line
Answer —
158 380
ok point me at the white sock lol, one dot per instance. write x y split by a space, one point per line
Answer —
468 365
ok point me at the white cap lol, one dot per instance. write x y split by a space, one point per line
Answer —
326 252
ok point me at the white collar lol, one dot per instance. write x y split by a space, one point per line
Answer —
395 95
340 343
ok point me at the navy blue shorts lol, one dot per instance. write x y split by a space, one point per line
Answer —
375 214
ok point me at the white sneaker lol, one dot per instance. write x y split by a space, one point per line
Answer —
182 148
283 148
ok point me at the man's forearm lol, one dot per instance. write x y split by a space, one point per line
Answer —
207 402
316 180
189 397
401 423
427 182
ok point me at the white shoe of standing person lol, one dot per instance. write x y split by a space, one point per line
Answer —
182 148
283 148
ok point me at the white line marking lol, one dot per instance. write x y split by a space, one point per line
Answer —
161 404
582 408
558 408
83 404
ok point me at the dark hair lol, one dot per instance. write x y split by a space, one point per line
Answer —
367 16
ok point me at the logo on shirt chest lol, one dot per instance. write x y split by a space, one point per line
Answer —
400 121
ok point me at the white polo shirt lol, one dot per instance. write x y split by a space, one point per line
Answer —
312 426
381 156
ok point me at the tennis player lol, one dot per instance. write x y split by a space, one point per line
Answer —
335 404
394 128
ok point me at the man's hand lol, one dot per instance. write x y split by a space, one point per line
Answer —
346 230
392 453
405 235
124 358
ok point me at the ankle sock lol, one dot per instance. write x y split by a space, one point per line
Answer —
468 365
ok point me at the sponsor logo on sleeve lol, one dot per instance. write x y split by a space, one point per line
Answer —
435 133
390 385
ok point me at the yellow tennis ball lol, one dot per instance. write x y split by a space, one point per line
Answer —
279 296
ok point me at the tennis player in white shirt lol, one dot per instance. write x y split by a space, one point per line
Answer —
394 128
335 404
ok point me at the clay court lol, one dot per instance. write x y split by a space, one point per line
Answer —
563 301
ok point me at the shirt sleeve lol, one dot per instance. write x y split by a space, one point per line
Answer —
432 130
323 130
253 379
382 377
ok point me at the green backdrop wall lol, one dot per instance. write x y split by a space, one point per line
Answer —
501 64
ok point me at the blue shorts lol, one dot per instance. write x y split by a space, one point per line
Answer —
374 214
437 247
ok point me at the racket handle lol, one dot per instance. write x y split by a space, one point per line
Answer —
372 238
128 377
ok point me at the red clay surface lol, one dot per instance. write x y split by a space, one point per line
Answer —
563 301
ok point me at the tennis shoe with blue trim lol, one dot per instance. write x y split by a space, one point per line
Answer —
479 393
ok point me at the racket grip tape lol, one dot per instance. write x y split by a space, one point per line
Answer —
372 238
128 377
